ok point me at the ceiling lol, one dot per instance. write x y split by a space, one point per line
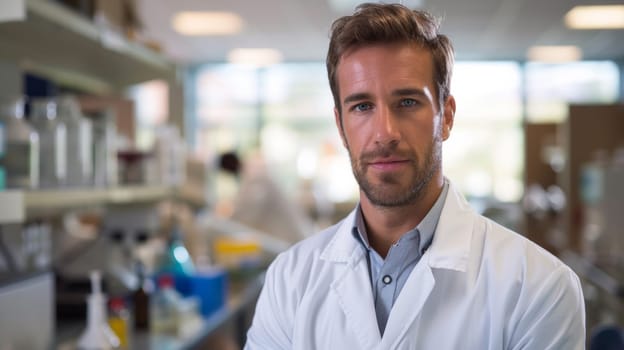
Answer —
479 29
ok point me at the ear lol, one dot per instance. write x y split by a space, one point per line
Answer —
448 117
340 127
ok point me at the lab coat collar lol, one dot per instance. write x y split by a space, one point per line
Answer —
449 249
343 247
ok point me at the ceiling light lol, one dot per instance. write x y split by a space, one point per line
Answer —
256 57
554 54
596 17
207 23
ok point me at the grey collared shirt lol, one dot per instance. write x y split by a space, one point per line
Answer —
388 276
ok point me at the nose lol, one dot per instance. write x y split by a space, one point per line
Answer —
386 127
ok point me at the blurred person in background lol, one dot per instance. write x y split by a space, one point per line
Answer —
260 203
413 266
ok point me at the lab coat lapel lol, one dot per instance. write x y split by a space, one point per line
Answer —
449 249
352 284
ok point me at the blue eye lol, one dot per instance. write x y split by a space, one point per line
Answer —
361 107
408 102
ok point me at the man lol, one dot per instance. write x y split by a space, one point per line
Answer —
412 267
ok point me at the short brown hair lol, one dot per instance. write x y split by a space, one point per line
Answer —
390 23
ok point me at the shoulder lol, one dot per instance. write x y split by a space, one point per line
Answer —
540 296
510 247
522 267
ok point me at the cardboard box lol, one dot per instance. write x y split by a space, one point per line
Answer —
121 107
120 15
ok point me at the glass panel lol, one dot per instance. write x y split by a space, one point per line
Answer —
483 156
227 108
551 87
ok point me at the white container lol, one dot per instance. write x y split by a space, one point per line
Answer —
21 151
79 143
170 152
53 143
105 150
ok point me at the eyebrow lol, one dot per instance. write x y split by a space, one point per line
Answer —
409 92
400 92
356 97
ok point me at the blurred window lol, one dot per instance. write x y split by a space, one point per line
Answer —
551 87
483 156
288 110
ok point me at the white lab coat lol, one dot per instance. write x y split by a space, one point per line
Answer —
479 286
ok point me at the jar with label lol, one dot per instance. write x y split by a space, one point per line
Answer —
53 142
21 151
79 142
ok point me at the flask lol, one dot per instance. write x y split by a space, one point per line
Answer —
52 141
21 153
97 335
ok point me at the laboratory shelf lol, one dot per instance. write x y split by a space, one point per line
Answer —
70 49
16 205
242 296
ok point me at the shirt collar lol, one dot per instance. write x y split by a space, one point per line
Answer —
426 228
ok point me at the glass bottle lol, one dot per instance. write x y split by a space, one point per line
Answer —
21 153
53 143
141 299
79 142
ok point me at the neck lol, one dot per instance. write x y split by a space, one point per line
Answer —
386 225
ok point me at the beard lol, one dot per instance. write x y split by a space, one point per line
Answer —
391 189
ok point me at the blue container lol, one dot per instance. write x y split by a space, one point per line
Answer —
211 288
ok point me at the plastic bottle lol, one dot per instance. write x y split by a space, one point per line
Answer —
21 153
118 321
164 307
98 335
178 261
53 143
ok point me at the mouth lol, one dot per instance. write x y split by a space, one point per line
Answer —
388 164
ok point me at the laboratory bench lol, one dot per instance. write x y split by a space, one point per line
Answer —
234 319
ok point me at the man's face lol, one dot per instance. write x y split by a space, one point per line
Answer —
392 125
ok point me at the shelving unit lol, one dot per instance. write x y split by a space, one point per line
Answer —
57 44
61 45
15 205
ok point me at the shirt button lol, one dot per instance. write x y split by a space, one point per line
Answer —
386 279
